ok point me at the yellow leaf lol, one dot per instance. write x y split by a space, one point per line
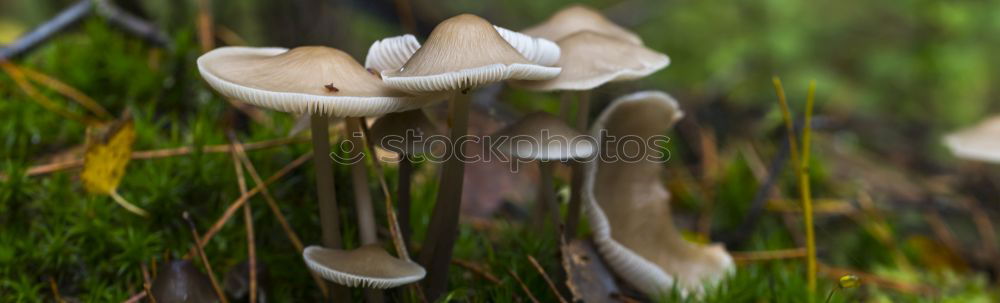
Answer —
108 152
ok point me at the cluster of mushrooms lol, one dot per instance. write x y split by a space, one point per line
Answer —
574 51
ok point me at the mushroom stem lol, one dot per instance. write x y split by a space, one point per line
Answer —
328 217
546 201
359 180
573 213
443 228
403 196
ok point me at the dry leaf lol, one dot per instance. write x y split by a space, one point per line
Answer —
109 150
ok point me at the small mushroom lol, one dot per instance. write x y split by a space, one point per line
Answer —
181 281
544 138
461 53
980 142
629 208
590 59
406 134
368 266
576 18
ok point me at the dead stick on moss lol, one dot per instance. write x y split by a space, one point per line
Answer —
247 220
233 207
766 255
204 259
161 153
523 286
147 283
273 205
17 75
55 290
548 280
476 269
879 281
67 91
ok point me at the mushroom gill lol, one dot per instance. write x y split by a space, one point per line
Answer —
629 208
980 142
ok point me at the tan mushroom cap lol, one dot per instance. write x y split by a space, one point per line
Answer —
367 266
389 54
307 80
464 52
980 142
404 132
590 59
542 136
629 207
575 18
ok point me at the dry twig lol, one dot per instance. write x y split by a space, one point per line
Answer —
548 280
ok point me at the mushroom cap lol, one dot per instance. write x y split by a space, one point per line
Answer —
629 208
181 281
391 53
980 142
542 136
368 266
464 52
390 132
297 81
575 18
590 59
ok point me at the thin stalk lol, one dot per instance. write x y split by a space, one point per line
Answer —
328 215
362 197
359 181
204 259
576 184
128 206
403 196
804 188
546 200
248 222
443 229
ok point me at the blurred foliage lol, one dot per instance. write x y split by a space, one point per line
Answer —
911 69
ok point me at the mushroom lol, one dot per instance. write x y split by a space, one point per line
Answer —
576 18
629 207
545 138
404 133
368 266
322 82
980 142
181 281
461 53
591 59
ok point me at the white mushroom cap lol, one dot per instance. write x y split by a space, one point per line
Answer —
575 18
367 266
305 80
390 132
629 208
542 136
464 52
391 53
981 142
590 59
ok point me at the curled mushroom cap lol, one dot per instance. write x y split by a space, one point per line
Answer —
542 136
306 80
464 52
404 132
391 53
629 208
577 18
590 59
367 266
981 142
